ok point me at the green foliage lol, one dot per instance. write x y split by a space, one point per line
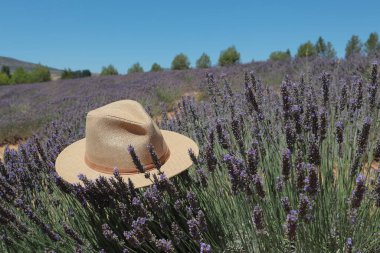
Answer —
372 44
39 74
353 47
324 50
180 62
306 49
330 51
4 78
69 74
203 62
320 46
156 67
20 76
135 68
6 70
280 55
109 71
229 56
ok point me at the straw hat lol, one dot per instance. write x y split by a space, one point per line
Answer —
109 131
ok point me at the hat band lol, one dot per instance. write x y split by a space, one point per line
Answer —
125 171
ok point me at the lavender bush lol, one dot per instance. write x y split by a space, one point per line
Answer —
289 169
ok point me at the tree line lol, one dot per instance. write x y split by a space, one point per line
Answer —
230 56
20 75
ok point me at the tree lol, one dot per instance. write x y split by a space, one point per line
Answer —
203 62
330 51
306 49
39 74
69 74
4 78
20 76
280 55
135 68
109 71
353 47
156 67
180 62
6 70
321 47
372 44
86 73
229 56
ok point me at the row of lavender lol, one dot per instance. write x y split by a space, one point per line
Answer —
288 170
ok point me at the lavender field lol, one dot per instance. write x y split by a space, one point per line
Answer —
288 162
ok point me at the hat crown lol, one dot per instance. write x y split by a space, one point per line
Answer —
112 128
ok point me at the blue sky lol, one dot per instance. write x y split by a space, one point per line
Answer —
90 34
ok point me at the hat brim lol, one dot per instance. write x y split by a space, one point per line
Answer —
70 162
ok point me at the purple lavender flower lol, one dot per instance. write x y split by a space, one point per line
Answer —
325 87
201 220
286 204
363 137
291 225
177 233
136 159
72 233
290 134
314 155
164 245
193 157
286 163
376 150
300 172
222 135
304 208
258 219
153 155
312 186
296 113
358 192
210 158
205 248
372 88
377 191
252 161
259 186
202 177
194 229
323 125
339 128
279 184
349 244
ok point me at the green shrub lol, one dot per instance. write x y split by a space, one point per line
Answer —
109 71
86 73
280 55
229 56
136 68
203 62
6 70
180 62
155 68
39 74
306 49
20 76
69 74
4 78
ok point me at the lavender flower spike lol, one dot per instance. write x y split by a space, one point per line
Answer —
358 192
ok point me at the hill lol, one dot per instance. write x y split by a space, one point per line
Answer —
13 64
